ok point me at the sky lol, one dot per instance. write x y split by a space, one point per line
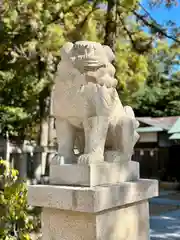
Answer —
162 14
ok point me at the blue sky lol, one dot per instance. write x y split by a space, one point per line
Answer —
162 14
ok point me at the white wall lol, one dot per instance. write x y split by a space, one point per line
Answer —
148 137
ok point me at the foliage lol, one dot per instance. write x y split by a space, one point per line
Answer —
15 221
132 71
161 94
31 34
160 100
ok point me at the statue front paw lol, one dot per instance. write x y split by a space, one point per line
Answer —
56 159
59 159
90 158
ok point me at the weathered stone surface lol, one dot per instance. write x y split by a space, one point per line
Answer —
92 199
130 223
108 212
94 174
88 111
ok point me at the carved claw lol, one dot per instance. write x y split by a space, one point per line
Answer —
60 159
90 158
56 159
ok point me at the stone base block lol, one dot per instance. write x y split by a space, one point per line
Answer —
112 212
126 223
94 174
91 199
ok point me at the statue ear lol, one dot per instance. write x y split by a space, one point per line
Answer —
109 53
66 49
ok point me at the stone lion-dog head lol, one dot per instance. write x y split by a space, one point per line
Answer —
91 59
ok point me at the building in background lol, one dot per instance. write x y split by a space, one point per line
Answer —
158 149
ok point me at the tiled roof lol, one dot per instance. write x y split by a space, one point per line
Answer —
149 129
175 136
176 127
163 122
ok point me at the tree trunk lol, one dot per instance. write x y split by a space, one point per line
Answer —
111 25
43 132
40 162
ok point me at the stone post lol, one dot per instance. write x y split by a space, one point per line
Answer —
105 201
39 162
20 163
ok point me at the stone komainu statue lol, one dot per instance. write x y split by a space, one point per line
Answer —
87 107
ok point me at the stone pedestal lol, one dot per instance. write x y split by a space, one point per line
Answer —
129 223
94 174
99 210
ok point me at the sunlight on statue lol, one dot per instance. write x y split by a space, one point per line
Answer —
87 108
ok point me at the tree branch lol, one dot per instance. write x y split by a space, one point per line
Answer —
79 26
70 9
148 14
82 23
153 26
126 30
110 26
140 47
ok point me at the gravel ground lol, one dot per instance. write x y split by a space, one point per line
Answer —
157 209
